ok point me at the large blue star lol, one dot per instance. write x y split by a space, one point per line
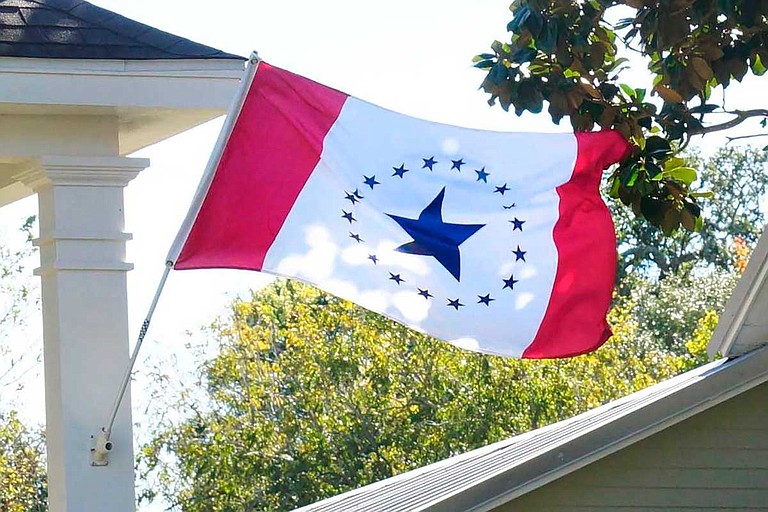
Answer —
433 237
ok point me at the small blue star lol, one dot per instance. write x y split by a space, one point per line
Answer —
519 255
355 236
373 258
482 175
518 224
396 278
400 171
348 215
507 207
351 197
454 304
371 182
501 189
425 294
357 194
457 164
485 299
428 163
510 283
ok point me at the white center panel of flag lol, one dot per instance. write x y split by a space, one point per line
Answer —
445 229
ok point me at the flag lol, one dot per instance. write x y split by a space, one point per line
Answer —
493 241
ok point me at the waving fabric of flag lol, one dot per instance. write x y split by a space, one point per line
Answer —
495 242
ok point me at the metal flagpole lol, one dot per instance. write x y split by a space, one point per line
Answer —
102 444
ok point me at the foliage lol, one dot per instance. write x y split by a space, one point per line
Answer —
16 297
310 395
566 53
23 486
697 345
731 224
667 312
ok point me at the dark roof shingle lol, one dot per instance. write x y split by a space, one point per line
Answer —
74 29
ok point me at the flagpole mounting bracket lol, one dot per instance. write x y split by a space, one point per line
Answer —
100 448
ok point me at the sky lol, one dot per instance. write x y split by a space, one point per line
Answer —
410 56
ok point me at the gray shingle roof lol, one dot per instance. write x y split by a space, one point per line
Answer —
74 29
490 476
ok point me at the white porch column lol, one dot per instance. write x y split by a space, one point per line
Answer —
85 322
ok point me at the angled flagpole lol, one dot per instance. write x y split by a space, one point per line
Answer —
101 442
213 161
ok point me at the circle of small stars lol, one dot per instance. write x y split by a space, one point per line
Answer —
431 164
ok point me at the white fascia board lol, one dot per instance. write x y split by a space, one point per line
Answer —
174 67
162 84
749 292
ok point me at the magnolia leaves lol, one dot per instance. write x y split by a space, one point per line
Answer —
562 55
656 186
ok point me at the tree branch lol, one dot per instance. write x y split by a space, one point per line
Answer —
731 139
740 117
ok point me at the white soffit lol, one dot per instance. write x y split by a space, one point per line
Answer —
743 325
152 99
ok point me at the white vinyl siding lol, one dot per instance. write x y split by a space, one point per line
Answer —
716 460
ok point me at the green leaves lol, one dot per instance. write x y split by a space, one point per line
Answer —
708 230
570 53
23 486
684 175
309 396
657 148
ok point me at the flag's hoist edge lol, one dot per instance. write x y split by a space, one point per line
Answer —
282 121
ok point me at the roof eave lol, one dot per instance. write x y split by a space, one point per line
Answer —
720 383
743 325
578 441
133 90
148 101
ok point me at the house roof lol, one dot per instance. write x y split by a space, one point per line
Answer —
488 477
743 325
74 29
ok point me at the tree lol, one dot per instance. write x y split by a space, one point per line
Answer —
739 175
668 312
310 396
23 486
566 53
16 298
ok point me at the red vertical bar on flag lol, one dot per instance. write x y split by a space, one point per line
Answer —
574 322
275 144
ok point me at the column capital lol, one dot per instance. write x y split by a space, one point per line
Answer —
90 171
